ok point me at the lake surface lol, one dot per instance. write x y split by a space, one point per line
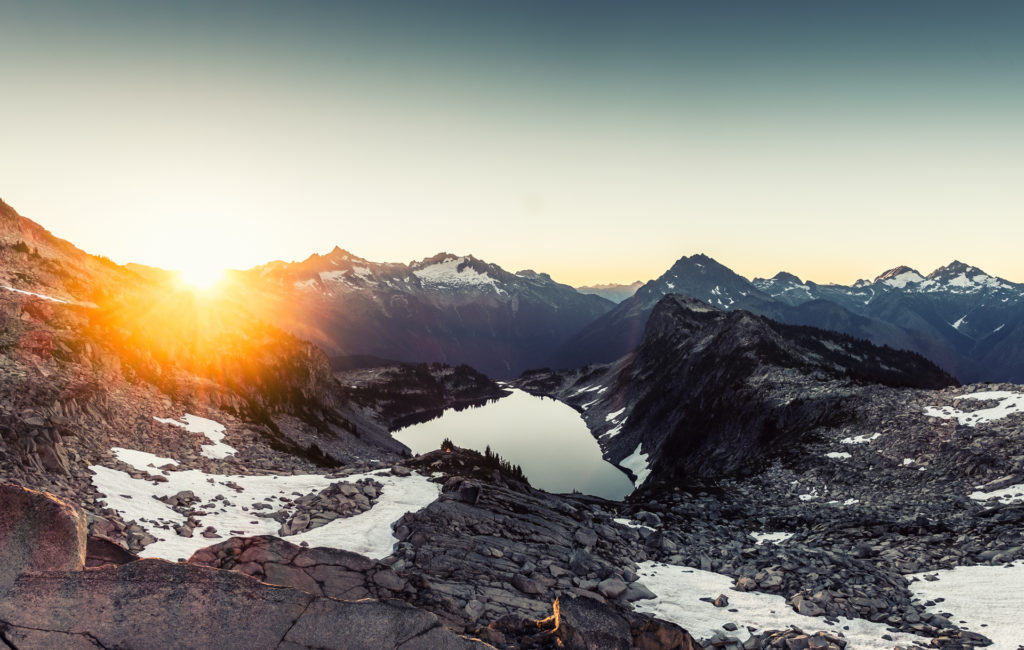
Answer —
545 437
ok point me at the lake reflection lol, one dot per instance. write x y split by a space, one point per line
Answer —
545 437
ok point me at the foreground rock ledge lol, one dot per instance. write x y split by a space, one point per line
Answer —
158 604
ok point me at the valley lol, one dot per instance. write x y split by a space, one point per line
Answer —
722 475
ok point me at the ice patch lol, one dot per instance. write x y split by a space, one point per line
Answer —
368 533
839 455
773 538
987 598
1009 403
679 590
214 431
860 440
637 463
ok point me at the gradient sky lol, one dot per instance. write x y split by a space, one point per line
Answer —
597 141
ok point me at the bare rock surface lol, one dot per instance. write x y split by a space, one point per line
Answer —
38 532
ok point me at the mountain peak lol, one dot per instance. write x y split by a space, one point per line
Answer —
899 277
783 276
955 269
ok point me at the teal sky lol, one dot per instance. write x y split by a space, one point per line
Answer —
598 141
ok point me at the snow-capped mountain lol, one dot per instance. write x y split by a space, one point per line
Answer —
967 321
451 308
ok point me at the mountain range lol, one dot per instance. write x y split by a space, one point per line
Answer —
968 322
448 308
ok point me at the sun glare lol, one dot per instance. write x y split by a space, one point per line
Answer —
201 278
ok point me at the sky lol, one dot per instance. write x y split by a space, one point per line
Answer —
597 141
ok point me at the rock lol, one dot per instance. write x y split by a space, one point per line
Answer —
611 588
249 614
527 585
474 610
585 536
38 532
746 584
721 601
585 624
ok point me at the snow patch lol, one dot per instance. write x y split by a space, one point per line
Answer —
1009 403
773 538
214 431
903 279
1010 494
679 590
861 439
447 273
37 295
142 460
637 463
368 533
987 598
614 415
839 455
959 322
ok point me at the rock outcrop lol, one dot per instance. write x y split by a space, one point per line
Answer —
48 601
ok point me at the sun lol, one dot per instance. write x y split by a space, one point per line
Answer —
201 278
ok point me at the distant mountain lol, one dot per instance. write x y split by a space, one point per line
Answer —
709 391
454 309
960 317
614 292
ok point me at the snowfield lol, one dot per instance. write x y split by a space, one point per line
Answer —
989 600
368 533
229 501
679 590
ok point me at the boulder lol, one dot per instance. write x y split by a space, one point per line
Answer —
38 532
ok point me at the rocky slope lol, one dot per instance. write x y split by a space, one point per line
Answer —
710 391
458 310
961 318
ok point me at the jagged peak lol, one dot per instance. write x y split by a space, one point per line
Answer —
785 276
954 269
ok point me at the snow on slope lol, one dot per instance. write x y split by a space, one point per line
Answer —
637 463
1007 495
214 431
679 590
987 598
447 273
1009 403
368 533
